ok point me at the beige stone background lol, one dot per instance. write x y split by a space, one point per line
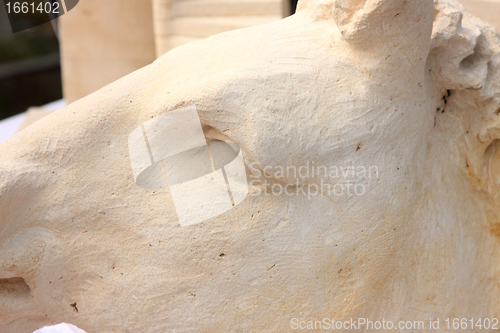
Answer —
487 10
102 41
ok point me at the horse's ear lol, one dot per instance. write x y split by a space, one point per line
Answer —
356 18
368 21
350 16
346 13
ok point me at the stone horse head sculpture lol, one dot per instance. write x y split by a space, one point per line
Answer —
407 89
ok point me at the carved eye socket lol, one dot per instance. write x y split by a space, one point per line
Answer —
172 152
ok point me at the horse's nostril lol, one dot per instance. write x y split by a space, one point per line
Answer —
14 289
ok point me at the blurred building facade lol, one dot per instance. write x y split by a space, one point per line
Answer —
177 22
102 41
487 10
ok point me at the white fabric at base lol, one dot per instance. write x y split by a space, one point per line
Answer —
60 328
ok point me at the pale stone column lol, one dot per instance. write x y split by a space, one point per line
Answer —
102 41
161 21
